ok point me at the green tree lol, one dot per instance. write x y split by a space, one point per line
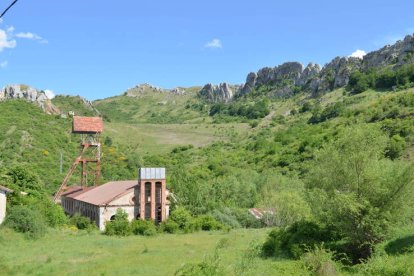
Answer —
354 188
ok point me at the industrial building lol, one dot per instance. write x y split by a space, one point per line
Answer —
144 198
3 200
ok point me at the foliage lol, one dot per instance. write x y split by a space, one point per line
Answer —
119 226
25 220
402 77
52 212
355 189
169 226
258 109
208 223
81 222
319 261
183 218
296 239
143 227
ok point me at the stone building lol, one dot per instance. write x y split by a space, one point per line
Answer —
145 198
3 199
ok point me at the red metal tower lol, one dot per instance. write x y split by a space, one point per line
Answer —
90 129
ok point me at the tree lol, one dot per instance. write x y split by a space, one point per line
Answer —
354 188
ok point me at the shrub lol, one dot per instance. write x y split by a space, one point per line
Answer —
208 223
226 217
396 146
319 261
296 239
119 226
183 218
53 213
143 227
24 220
82 223
169 226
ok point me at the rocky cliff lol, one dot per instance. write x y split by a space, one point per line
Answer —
217 93
289 77
147 88
30 94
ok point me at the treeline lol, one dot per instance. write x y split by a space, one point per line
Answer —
255 110
401 78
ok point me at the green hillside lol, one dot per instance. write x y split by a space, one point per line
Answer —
257 151
152 107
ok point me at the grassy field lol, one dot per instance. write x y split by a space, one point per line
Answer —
79 253
72 252
161 138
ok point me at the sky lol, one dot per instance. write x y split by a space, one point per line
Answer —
99 49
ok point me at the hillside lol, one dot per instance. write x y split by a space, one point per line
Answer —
334 163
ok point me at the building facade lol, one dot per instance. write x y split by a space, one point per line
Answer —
3 202
145 198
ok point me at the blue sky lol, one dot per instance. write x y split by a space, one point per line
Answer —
100 48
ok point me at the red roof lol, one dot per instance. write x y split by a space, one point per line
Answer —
103 194
87 124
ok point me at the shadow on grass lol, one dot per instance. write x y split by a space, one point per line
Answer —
400 246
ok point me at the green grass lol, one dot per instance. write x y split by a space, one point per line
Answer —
73 103
151 107
73 252
70 252
162 138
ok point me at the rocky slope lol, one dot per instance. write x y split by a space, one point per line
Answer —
289 77
30 94
217 93
146 87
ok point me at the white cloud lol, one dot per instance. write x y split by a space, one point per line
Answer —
28 35
215 43
4 64
49 93
358 54
6 41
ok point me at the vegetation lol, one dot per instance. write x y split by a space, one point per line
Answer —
384 79
336 171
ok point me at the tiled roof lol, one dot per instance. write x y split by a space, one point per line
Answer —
87 124
103 194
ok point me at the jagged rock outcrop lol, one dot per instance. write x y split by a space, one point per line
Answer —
334 74
217 93
397 54
289 77
17 91
283 77
146 87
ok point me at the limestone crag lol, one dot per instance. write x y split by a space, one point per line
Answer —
283 77
333 75
146 87
217 93
24 92
397 54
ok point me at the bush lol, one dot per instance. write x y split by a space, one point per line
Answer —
227 218
295 240
396 146
82 223
184 219
208 223
24 220
119 226
169 226
319 261
143 227
53 213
